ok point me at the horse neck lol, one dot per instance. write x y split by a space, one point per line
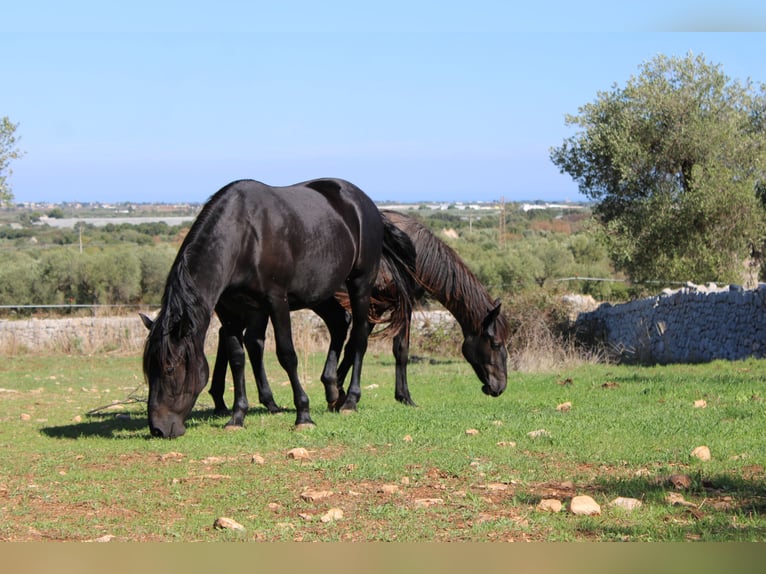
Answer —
463 295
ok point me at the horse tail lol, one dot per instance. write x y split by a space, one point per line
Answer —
396 281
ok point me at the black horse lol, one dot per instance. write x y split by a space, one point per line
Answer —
261 250
440 273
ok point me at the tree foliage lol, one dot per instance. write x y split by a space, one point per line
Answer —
676 160
8 151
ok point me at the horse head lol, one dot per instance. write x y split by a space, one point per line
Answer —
486 353
176 371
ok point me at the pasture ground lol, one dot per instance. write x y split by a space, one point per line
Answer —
73 471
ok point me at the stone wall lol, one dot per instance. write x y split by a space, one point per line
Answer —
688 325
127 334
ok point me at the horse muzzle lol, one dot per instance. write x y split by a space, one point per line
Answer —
492 391
169 427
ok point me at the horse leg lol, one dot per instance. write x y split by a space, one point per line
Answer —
401 349
337 320
218 382
236 354
255 336
345 367
288 358
359 296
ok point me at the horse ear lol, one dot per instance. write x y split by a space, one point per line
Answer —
488 325
148 323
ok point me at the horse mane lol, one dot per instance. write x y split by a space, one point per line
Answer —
183 312
443 274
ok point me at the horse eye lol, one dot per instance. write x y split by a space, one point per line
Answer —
496 346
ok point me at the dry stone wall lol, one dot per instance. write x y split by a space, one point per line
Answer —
688 325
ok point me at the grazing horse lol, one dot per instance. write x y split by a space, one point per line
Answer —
439 272
442 274
265 249
248 327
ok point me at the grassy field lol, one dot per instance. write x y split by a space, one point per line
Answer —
388 472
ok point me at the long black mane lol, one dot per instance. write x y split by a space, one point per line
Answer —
183 313
444 275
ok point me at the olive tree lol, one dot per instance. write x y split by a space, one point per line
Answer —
676 161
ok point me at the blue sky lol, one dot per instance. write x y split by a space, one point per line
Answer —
169 101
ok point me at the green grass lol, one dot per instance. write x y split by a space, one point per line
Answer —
67 475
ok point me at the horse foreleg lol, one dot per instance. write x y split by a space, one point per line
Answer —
255 336
236 354
337 320
401 350
288 359
218 382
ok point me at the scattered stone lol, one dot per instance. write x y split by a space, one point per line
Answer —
274 506
104 538
298 453
171 456
389 488
426 502
257 459
584 506
702 453
676 499
25 417
312 495
306 516
371 387
540 433
564 407
629 504
496 486
550 505
508 443
472 432
700 404
214 460
405 481
77 419
332 515
407 438
224 523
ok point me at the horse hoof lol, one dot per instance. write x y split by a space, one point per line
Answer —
347 411
233 427
304 426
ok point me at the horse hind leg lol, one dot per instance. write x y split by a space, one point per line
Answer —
359 296
255 336
288 359
337 321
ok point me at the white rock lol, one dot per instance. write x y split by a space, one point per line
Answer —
224 523
299 453
702 453
332 515
584 506
550 505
